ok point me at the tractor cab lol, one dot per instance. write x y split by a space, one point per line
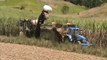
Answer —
73 30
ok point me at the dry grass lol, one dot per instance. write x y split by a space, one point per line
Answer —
100 11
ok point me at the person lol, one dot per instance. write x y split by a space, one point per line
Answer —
68 31
43 16
58 30
58 27
54 24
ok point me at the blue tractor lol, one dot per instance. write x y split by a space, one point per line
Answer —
74 35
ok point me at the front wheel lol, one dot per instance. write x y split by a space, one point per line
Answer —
66 39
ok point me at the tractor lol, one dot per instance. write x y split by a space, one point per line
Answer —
74 35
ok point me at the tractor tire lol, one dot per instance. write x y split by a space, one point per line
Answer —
66 39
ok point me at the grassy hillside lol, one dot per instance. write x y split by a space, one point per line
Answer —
11 8
100 11
32 8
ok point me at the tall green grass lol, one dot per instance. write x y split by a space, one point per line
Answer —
95 31
8 26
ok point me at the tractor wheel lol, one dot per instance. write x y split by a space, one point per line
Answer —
66 39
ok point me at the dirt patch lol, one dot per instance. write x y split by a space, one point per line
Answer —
23 52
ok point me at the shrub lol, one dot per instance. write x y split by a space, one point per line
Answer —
65 9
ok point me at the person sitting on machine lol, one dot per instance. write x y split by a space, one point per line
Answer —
43 16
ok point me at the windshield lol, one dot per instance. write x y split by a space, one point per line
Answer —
74 30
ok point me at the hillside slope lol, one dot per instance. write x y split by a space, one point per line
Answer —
100 11
23 52
32 8
12 8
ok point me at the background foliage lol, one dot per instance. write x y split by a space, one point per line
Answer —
88 3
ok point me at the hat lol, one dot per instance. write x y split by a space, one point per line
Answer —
26 19
68 23
53 23
47 8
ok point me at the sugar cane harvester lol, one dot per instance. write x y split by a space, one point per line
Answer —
43 16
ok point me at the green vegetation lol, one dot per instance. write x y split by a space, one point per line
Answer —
65 9
88 3
91 28
31 8
13 8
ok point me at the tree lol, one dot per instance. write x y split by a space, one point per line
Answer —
88 3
